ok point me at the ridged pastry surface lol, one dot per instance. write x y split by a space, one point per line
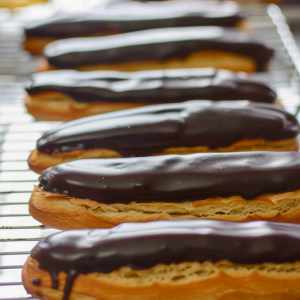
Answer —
148 245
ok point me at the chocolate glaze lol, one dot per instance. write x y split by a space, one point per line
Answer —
175 178
154 44
134 17
150 130
158 86
144 245
36 282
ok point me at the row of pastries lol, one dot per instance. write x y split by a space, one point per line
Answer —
169 154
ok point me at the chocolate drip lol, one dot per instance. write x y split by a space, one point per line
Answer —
159 86
36 282
154 44
136 16
175 178
72 274
144 245
54 277
150 130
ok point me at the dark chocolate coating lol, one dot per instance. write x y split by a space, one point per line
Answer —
158 86
36 282
175 178
154 44
151 129
144 245
136 16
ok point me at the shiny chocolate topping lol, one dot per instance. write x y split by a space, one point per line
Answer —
155 86
144 245
132 16
151 129
154 44
175 178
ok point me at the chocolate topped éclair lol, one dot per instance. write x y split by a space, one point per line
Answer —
161 259
175 178
183 128
153 86
178 47
150 130
68 94
99 193
129 16
135 17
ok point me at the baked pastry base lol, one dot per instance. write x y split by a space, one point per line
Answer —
36 45
19 3
203 59
63 212
56 106
39 161
185 281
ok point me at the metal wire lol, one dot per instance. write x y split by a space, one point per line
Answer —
19 232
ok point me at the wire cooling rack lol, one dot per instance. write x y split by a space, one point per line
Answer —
19 232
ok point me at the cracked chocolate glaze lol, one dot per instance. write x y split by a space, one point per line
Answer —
157 86
144 245
136 16
154 44
175 178
150 130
